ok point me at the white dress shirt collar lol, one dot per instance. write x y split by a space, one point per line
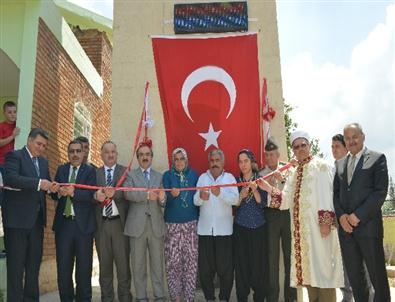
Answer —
28 151
148 170
112 168
358 155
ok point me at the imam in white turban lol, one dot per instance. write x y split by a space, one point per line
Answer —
299 134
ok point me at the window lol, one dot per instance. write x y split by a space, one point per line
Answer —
82 121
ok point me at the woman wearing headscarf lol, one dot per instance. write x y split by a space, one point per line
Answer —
181 241
250 232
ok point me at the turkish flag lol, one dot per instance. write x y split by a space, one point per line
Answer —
209 89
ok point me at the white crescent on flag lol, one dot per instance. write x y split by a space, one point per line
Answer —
208 73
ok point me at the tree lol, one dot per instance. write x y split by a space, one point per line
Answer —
290 126
389 203
391 190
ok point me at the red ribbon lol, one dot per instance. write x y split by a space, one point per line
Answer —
136 143
128 189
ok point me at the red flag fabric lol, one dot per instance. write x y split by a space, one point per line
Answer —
209 89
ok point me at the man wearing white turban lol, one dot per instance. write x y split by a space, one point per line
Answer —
315 257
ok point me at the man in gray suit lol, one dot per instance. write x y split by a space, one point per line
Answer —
359 192
111 244
145 225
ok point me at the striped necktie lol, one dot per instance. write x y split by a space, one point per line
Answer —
108 209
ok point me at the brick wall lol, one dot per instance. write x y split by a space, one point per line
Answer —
99 51
58 86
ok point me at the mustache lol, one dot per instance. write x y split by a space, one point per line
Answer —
145 160
215 166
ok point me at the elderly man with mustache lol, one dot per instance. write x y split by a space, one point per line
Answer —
215 227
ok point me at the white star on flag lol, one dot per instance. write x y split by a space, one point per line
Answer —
211 137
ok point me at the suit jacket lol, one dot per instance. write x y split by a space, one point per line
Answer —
22 208
140 207
83 205
120 202
365 195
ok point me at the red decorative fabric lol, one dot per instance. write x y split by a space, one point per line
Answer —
296 220
326 217
276 198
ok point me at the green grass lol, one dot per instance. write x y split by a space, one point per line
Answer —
389 239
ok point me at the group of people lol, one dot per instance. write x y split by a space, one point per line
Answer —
328 221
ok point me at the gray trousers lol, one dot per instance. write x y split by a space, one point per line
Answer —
138 255
113 247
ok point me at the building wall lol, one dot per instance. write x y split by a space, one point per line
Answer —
58 86
133 64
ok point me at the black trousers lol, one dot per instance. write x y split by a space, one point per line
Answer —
216 257
73 245
250 250
355 250
24 248
279 228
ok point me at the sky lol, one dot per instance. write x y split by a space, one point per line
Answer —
337 64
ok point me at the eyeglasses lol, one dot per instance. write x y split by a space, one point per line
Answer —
148 154
71 151
301 146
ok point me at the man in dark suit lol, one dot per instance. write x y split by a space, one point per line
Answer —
359 192
74 226
24 215
111 244
86 148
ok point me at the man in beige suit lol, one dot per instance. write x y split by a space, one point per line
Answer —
145 225
111 243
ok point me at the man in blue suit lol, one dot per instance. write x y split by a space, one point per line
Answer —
74 226
24 215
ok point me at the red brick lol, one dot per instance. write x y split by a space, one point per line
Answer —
58 86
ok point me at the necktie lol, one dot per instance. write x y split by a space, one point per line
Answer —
350 168
35 162
67 208
108 208
146 175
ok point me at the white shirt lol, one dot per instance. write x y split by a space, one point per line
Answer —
115 211
76 173
216 217
357 158
148 170
31 157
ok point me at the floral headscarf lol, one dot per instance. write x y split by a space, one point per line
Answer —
181 175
